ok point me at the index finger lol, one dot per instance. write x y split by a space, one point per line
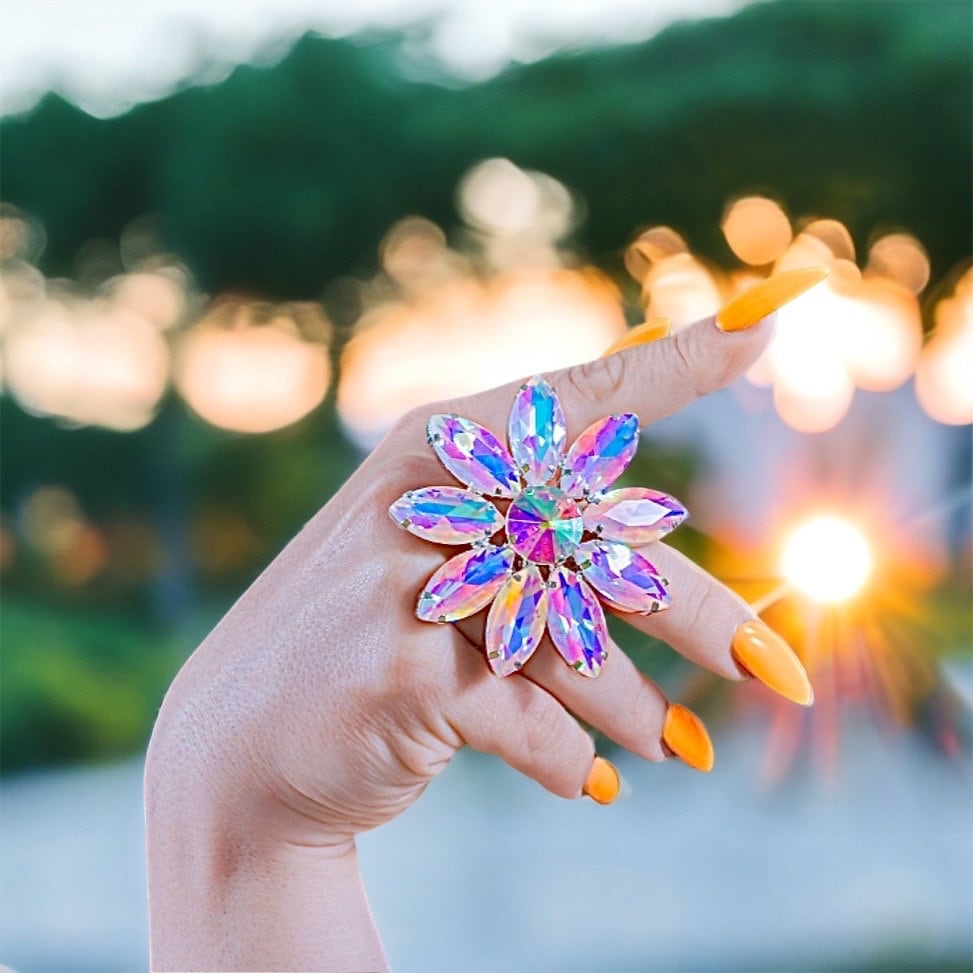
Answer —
654 380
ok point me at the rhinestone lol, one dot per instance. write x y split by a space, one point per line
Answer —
515 625
473 455
446 515
600 454
465 584
544 525
625 579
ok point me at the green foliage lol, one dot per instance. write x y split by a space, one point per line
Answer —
77 686
282 178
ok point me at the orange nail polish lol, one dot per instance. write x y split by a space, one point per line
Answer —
755 303
643 334
767 657
685 735
604 782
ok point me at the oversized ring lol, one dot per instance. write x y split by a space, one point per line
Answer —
565 539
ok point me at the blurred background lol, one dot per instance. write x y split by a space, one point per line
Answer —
238 240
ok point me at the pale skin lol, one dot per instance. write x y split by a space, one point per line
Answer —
320 707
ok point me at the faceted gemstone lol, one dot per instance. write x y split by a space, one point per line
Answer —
576 622
465 584
600 454
537 432
515 625
544 525
473 455
624 578
634 515
446 515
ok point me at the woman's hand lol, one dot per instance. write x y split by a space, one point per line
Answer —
320 707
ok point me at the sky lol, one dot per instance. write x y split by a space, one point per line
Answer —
107 55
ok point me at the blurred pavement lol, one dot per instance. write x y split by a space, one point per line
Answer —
869 869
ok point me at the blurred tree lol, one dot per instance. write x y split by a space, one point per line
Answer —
281 178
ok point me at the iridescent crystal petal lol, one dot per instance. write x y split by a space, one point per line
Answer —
625 579
465 584
576 622
515 625
446 515
544 525
537 432
600 454
634 515
473 455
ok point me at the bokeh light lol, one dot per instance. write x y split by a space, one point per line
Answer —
681 288
445 321
826 558
85 362
857 329
944 377
247 367
756 229
468 336
900 257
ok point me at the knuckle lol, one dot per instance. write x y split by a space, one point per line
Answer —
601 379
701 605
544 724
642 723
702 370
688 364
411 426
410 469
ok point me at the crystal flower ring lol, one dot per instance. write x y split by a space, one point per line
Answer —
559 540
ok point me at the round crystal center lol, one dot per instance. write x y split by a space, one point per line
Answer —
544 525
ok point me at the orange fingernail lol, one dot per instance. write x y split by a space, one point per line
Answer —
603 783
767 657
755 303
685 735
643 334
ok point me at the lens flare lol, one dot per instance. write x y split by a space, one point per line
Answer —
827 558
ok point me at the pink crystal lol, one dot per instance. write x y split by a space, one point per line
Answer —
465 584
544 525
537 432
515 625
634 515
600 454
625 579
576 622
473 455
446 515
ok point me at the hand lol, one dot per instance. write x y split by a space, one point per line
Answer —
320 707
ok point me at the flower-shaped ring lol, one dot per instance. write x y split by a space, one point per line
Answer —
567 540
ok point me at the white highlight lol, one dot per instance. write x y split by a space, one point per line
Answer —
827 558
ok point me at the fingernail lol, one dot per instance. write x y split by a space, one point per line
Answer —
604 782
685 735
767 657
755 303
643 334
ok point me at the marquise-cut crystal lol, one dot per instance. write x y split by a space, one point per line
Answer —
446 515
600 454
576 622
624 578
633 515
537 432
515 625
544 525
473 455
465 584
